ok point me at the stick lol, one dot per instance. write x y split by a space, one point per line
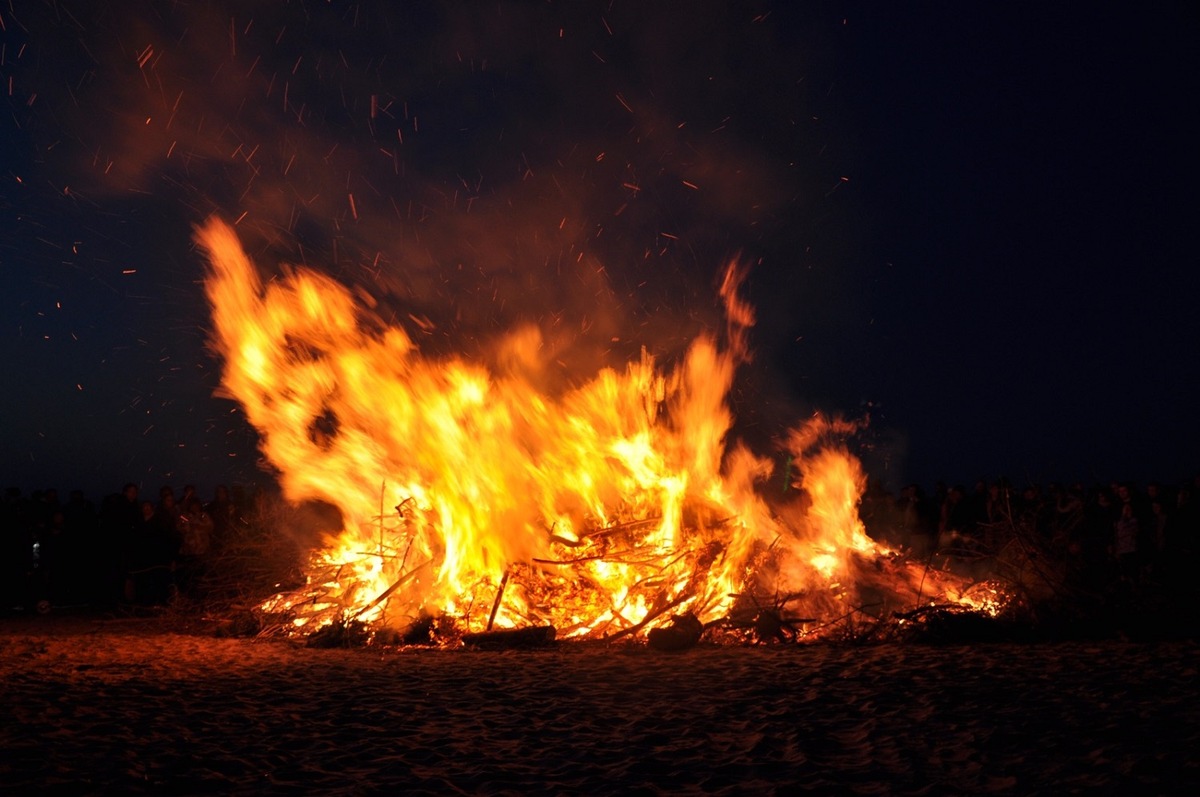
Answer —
383 595
499 597
654 614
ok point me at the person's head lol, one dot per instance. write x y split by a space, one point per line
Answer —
147 510
130 491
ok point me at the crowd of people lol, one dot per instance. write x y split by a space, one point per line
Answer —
136 551
1116 535
130 549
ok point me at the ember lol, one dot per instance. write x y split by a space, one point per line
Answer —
473 500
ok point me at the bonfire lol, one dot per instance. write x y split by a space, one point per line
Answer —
476 501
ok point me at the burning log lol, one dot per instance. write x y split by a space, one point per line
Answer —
538 636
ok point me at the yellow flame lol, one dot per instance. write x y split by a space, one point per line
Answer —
467 492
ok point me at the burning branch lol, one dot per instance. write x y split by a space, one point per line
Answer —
384 595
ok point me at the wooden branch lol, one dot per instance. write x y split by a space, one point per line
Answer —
499 597
383 595
652 615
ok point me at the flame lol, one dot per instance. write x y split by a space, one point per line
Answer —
467 492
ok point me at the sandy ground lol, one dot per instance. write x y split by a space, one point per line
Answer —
93 706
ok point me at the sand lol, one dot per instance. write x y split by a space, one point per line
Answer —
99 706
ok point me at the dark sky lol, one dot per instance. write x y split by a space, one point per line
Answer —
975 224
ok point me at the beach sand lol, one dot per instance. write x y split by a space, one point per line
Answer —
106 705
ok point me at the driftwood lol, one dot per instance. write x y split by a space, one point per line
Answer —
538 636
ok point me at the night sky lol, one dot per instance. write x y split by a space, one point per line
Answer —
974 224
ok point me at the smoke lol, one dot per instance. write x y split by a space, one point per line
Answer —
587 168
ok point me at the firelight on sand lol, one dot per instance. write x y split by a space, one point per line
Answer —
470 494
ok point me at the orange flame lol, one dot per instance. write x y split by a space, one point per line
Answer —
607 505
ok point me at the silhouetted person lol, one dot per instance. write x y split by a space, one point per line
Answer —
79 575
957 515
152 564
1180 537
120 526
223 513
195 534
1127 534
916 519
167 512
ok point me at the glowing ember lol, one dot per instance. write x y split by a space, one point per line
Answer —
471 495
